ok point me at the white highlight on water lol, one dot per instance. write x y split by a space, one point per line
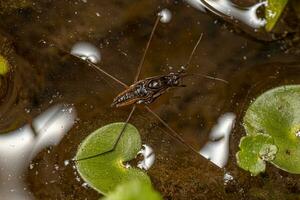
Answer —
227 178
217 149
86 51
149 157
19 147
247 15
166 15
298 133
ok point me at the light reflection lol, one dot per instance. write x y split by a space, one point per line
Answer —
86 51
247 15
17 148
149 157
227 178
165 15
217 149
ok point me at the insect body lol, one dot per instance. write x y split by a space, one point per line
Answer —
147 90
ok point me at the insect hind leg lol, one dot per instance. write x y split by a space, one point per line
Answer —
174 133
115 142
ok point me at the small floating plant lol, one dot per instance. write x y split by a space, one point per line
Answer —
105 172
273 11
272 124
4 66
133 190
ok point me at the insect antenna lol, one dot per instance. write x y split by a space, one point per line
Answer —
184 69
146 49
115 143
208 77
176 135
192 54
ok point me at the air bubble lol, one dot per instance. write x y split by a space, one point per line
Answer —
298 133
86 51
149 158
227 178
165 15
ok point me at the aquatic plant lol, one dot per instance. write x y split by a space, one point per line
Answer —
272 124
273 10
255 151
133 190
4 66
104 172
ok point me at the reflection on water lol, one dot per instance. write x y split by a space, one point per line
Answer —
217 149
247 15
86 51
227 178
17 148
166 15
149 157
122 31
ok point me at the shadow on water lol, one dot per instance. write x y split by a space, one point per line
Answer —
205 112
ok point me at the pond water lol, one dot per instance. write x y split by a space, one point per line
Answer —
50 101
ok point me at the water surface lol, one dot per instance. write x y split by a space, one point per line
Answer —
46 83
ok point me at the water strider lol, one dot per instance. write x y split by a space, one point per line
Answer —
145 91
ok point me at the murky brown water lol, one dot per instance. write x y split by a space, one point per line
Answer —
43 76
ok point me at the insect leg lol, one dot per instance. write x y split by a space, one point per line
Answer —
146 50
116 141
107 74
96 67
176 135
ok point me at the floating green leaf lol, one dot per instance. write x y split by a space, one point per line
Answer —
255 150
273 11
277 113
105 172
4 66
134 190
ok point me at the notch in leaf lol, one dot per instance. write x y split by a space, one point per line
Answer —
105 172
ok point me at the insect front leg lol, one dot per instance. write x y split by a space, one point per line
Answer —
116 141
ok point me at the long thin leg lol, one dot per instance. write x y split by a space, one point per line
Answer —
97 68
107 74
193 52
146 50
117 140
176 135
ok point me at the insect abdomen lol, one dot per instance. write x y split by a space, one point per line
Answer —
126 98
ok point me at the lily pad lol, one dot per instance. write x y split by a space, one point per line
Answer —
4 66
134 190
274 8
255 150
105 172
277 113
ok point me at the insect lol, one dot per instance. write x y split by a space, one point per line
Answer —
146 91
